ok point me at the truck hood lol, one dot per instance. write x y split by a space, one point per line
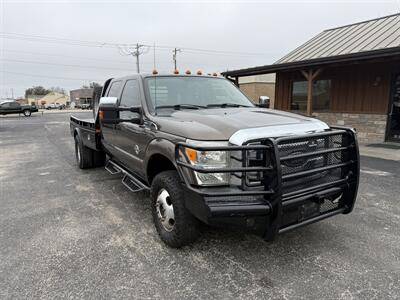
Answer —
235 124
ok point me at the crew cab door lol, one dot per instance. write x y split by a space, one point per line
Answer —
131 138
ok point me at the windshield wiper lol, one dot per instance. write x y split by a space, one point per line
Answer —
179 106
227 105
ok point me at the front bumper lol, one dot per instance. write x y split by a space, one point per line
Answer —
279 203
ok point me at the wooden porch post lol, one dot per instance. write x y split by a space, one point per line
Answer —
310 76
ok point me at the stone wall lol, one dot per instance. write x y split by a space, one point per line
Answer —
370 128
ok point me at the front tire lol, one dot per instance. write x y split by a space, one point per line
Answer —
175 225
27 113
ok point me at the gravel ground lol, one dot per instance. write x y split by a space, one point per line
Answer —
70 233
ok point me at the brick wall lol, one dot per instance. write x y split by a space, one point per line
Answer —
370 128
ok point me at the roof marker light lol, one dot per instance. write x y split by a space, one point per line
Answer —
155 72
188 72
176 71
215 74
199 72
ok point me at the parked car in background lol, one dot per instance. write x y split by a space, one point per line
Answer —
86 106
53 106
13 107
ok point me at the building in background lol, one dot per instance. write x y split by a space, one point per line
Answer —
22 101
259 85
81 96
50 98
348 75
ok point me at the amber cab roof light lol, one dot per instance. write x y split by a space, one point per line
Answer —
199 72
188 72
155 72
176 71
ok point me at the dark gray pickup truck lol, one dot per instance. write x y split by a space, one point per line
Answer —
13 107
208 154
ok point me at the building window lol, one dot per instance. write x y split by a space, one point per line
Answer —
321 95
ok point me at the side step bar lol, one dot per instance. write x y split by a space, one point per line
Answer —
129 180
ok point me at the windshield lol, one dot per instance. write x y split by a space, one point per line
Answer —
190 91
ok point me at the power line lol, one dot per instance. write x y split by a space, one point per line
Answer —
63 65
66 56
53 77
102 44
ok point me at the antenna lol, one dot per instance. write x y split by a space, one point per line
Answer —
154 55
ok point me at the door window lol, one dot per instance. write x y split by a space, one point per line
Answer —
5 105
130 98
114 89
394 113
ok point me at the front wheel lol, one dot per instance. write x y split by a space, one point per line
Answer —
27 113
175 225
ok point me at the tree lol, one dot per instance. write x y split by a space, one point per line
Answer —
36 90
57 89
91 85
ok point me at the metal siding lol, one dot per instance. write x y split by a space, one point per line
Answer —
343 44
366 37
371 35
392 31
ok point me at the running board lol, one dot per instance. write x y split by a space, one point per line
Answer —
112 167
129 180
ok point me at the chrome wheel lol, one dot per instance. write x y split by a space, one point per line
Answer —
165 210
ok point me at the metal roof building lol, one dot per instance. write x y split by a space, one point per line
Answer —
348 75
373 38
377 34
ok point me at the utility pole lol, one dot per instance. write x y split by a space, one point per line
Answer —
134 50
175 51
137 53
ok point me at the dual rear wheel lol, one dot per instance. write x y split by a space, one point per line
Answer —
86 157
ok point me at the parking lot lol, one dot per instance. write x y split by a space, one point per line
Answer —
65 232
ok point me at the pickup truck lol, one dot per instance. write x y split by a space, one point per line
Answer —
13 107
207 154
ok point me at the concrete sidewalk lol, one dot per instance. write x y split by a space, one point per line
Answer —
385 151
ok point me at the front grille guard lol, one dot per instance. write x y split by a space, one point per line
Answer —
272 178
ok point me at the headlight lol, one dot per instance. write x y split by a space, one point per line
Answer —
209 160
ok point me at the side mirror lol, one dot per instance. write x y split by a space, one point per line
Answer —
264 101
108 110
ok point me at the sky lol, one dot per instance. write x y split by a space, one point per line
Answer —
70 43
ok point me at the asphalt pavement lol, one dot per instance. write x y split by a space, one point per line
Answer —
69 233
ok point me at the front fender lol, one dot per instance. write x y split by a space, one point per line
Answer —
160 146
